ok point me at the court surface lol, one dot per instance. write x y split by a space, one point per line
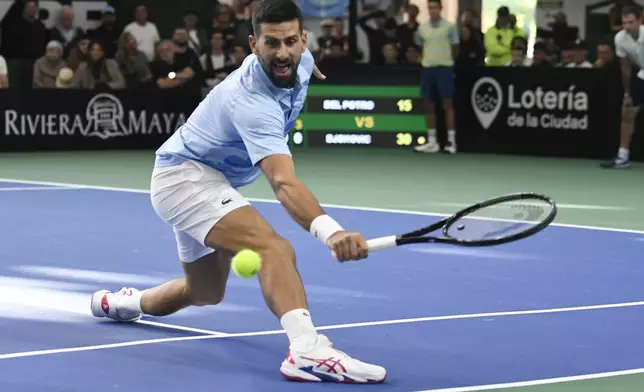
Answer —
562 310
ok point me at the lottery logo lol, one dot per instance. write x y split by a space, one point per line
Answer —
487 98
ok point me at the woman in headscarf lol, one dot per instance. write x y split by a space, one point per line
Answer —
46 68
98 72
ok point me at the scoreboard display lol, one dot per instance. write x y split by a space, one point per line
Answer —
380 116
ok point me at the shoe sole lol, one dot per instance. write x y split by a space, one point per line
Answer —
297 375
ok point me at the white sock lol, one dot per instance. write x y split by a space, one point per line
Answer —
451 136
623 153
431 136
132 303
300 330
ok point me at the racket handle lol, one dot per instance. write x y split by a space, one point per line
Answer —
382 243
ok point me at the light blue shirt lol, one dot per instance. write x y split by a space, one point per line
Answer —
242 120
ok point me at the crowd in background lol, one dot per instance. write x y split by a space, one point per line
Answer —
203 54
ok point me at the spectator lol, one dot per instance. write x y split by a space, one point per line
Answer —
605 56
132 62
197 37
224 21
498 39
166 73
563 34
390 53
336 57
324 41
98 72
338 32
26 37
214 64
567 55
440 43
78 53
376 36
183 55
519 53
46 68
107 33
145 32
65 32
540 58
244 27
239 54
4 74
412 56
579 56
64 77
472 50
407 30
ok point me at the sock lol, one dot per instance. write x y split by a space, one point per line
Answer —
300 330
132 303
431 136
451 136
623 153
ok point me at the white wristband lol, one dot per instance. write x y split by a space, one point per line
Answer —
324 227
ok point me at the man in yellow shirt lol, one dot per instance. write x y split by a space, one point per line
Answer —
498 39
440 42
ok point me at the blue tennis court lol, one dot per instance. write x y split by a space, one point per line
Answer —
568 301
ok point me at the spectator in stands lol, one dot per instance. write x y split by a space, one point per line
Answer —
440 43
390 53
540 57
244 27
146 32
98 72
605 56
324 41
375 35
472 50
519 53
197 36
579 56
25 37
407 30
338 32
412 56
239 54
563 34
107 33
78 53
166 73
4 73
215 63
183 55
132 62
567 55
46 68
498 39
336 57
65 32
224 21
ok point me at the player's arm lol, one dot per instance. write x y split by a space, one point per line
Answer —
625 67
261 127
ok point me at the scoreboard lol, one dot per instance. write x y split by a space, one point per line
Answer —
345 115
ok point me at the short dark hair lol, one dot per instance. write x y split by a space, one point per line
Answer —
274 12
634 9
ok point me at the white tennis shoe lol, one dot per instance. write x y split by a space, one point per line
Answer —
323 363
106 304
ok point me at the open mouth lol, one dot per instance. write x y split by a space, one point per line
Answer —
282 69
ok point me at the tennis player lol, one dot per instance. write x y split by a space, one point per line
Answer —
238 132
629 47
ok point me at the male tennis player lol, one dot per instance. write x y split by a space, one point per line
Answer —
629 46
238 131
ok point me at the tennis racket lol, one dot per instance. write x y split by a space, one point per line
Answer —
495 221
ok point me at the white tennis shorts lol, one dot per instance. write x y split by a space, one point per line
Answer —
192 198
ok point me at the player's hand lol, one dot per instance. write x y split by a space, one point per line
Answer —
348 246
317 73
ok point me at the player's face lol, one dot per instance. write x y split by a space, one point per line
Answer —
279 48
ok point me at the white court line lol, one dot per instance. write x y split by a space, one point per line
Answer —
544 381
220 335
42 188
326 205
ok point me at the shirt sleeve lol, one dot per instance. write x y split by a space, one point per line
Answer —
619 49
260 123
3 66
305 70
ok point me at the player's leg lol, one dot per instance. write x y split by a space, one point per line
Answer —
311 356
427 81
445 85
627 126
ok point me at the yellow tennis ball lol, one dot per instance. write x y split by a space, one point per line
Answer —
246 263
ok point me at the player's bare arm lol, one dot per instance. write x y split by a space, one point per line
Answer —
304 208
625 66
